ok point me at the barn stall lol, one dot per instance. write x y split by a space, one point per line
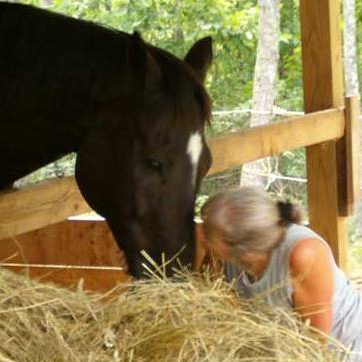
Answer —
36 235
328 130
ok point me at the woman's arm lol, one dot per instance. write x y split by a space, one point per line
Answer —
311 268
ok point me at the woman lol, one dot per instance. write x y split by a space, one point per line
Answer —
270 254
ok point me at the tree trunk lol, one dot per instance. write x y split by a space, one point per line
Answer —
265 82
178 32
351 79
349 48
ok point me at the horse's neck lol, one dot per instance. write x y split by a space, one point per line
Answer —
46 116
24 149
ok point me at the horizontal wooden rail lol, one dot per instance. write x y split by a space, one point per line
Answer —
53 201
235 149
39 205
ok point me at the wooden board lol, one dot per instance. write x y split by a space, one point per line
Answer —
323 88
236 148
350 179
39 205
70 242
66 252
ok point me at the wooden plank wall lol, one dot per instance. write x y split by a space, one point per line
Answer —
76 243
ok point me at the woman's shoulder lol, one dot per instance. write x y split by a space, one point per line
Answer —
307 252
301 245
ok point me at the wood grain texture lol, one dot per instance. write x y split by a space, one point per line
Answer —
352 155
81 243
234 149
65 253
39 205
323 88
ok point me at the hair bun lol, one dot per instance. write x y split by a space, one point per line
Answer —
289 213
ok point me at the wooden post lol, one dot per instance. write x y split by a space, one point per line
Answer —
352 149
323 88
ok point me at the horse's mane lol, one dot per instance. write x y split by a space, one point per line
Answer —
53 52
80 56
175 70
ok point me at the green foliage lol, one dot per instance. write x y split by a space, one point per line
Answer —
176 24
290 92
358 9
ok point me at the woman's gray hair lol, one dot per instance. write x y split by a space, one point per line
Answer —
247 219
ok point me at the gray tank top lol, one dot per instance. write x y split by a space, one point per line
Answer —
276 289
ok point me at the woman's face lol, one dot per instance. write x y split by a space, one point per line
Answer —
221 249
224 251
247 260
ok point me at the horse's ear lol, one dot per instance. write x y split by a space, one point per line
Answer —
200 57
144 66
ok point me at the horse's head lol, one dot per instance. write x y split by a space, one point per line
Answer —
142 165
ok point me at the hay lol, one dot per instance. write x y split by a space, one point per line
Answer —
185 320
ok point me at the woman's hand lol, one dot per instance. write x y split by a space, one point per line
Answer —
204 255
201 247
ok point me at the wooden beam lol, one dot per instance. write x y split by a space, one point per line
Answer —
350 179
236 148
39 205
323 88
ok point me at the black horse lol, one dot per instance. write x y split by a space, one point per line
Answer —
133 113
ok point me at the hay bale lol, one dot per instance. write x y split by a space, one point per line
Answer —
186 320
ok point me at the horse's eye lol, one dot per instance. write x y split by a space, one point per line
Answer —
154 164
